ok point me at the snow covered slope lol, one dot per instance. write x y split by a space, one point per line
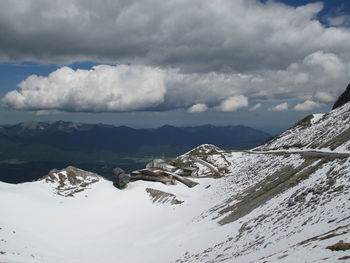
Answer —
277 203
276 206
330 131
99 223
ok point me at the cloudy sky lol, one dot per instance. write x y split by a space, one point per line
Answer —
147 63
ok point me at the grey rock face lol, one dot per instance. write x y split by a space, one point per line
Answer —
343 98
121 178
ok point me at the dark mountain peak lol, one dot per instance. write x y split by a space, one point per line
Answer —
122 128
58 122
31 125
33 128
63 124
26 128
104 125
207 126
167 127
343 98
34 125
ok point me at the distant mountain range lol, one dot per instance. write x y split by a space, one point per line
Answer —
97 137
97 146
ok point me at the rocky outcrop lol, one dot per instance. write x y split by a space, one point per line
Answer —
70 181
161 197
121 178
343 98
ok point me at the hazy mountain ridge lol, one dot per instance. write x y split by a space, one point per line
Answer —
28 146
78 136
270 204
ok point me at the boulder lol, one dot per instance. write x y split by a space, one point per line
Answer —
121 178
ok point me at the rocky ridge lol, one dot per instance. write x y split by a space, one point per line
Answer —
343 98
70 181
321 132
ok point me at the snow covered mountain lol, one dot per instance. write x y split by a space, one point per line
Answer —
286 201
325 132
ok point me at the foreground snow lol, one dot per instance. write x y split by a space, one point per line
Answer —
101 224
104 224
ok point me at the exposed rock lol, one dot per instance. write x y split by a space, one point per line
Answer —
343 98
197 158
158 196
121 178
71 180
340 246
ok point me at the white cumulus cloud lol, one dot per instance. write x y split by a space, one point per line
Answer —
280 107
181 53
47 112
103 88
341 20
137 87
306 106
197 108
255 107
232 103
324 96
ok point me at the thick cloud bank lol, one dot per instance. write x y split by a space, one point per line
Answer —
107 88
199 55
103 88
195 36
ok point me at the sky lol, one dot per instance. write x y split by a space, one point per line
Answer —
264 64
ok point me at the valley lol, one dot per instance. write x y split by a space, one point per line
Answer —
31 149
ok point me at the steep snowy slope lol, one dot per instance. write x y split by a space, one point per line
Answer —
277 203
276 206
286 201
329 131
